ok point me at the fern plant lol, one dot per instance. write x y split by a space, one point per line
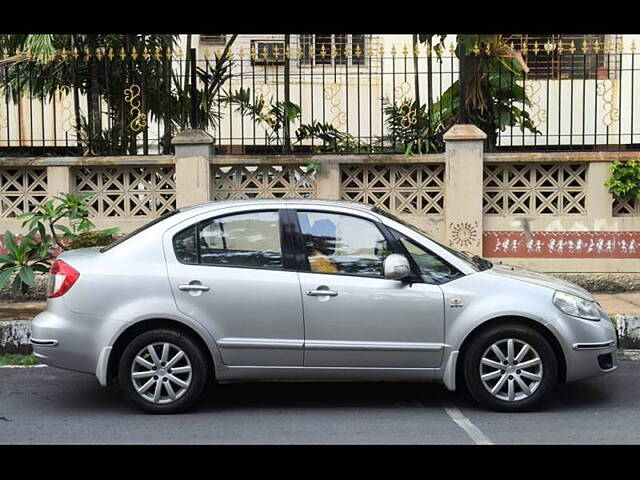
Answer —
46 237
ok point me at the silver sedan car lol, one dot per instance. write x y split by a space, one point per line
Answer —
311 290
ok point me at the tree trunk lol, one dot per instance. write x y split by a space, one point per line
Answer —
287 84
187 65
166 82
415 70
95 114
76 100
133 146
429 88
478 102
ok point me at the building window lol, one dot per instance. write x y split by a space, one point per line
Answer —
267 53
348 48
216 38
565 65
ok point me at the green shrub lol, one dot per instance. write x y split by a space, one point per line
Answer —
38 248
92 238
23 259
625 179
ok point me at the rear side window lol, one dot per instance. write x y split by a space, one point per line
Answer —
243 240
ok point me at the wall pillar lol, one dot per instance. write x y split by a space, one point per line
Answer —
194 149
328 178
598 198
463 187
59 180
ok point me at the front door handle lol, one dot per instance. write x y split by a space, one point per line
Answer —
193 288
320 293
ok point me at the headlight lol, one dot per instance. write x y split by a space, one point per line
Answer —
576 306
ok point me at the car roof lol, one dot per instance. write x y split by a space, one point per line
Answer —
291 201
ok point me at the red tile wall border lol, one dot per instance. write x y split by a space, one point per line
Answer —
513 244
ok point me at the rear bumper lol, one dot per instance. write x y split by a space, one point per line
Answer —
73 341
40 342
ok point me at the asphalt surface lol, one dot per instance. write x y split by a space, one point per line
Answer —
47 405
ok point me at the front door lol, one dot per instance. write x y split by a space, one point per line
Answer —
353 316
227 273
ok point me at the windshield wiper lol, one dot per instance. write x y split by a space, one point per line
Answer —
482 263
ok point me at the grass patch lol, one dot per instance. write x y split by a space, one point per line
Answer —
18 359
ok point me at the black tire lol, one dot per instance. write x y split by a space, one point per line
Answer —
483 341
200 370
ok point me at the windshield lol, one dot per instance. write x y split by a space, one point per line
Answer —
126 237
474 261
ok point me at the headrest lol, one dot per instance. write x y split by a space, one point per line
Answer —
323 233
324 228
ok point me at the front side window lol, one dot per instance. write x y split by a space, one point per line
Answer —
343 244
242 240
429 264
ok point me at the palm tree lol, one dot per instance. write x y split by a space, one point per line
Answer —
54 61
488 83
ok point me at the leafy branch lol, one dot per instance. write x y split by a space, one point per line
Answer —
625 179
272 117
37 249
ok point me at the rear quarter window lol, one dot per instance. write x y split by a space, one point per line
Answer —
185 247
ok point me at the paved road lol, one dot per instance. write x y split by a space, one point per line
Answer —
46 405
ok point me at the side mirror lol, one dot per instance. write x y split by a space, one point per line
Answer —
396 267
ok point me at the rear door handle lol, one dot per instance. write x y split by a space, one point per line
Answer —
193 288
320 293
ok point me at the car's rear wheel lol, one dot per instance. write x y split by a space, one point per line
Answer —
510 368
163 371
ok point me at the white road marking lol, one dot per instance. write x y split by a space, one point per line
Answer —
23 366
470 429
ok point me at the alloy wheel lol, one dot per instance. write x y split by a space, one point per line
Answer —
511 369
161 373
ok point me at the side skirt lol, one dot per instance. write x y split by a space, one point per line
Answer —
328 374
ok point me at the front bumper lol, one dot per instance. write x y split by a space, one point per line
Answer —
590 348
592 363
72 341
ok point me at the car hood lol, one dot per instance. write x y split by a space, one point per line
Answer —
541 279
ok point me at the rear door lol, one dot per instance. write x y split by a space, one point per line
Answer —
228 272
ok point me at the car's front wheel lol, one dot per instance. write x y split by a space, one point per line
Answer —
163 371
510 368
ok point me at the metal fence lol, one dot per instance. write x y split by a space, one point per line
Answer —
302 99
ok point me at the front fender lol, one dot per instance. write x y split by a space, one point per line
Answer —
472 301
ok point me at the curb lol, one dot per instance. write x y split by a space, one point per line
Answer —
628 329
14 336
629 354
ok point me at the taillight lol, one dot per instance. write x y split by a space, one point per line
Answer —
62 276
